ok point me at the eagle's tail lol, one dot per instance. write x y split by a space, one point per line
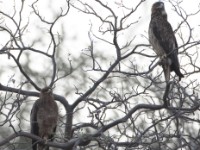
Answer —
167 68
175 66
176 69
178 73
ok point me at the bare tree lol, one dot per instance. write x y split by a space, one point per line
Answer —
111 93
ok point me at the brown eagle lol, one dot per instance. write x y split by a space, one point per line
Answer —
163 40
44 116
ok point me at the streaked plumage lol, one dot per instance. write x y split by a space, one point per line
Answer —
44 116
163 40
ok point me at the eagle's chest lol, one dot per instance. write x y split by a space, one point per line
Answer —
47 114
158 49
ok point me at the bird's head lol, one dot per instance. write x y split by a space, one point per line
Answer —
46 90
158 7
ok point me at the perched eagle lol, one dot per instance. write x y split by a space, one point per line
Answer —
44 116
163 40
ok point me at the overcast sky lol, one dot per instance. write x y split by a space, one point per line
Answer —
76 24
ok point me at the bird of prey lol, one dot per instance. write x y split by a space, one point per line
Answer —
44 116
163 41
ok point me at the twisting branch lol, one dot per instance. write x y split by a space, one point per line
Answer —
113 91
55 44
165 95
24 73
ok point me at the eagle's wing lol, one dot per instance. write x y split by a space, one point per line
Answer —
34 124
165 36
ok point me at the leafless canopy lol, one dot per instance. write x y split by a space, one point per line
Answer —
106 78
